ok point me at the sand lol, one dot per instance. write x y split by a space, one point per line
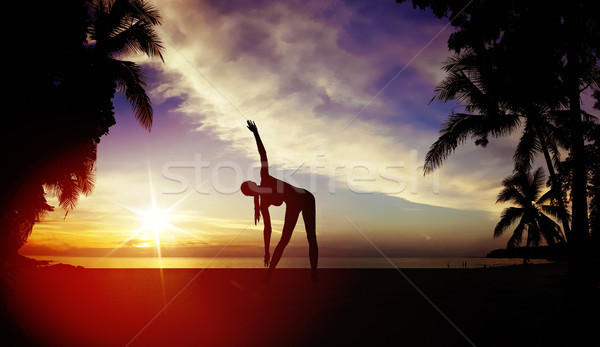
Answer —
518 305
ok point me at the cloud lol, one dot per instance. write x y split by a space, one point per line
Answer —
308 76
340 92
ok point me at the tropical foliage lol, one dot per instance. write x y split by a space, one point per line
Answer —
493 110
532 212
65 102
525 66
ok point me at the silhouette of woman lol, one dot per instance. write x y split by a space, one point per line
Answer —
272 191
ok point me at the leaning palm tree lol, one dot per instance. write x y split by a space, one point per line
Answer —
541 135
117 28
78 110
531 211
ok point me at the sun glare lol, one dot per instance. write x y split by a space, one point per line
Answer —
154 225
155 219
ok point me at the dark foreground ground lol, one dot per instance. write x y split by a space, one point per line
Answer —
521 305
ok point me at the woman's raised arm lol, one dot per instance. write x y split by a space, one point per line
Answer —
264 164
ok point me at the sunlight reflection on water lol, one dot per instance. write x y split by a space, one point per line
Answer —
245 263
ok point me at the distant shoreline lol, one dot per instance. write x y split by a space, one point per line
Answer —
286 262
554 253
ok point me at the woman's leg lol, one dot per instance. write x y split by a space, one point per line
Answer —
309 216
291 217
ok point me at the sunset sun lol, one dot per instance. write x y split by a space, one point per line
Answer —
154 224
155 219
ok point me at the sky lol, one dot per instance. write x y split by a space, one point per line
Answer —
340 92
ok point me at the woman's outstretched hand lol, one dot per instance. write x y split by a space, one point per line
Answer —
252 126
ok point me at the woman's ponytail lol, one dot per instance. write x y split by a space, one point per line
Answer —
256 209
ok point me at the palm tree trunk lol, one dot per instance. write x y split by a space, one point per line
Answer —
556 186
579 226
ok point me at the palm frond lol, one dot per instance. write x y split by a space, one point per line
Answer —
550 230
454 132
556 212
508 193
137 38
554 153
527 148
472 81
71 173
511 193
139 9
508 217
537 182
459 127
555 135
457 86
502 124
548 196
130 80
99 24
460 85
517 236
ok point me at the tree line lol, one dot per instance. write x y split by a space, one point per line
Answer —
524 66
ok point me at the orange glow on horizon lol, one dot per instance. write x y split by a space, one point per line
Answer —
155 223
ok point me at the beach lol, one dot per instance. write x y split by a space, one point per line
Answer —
514 305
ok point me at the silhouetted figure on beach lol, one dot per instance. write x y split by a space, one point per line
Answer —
272 191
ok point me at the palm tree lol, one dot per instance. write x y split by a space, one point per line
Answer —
581 42
117 28
71 106
472 81
563 38
541 134
531 211
492 109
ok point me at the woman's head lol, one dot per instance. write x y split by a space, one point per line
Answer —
249 188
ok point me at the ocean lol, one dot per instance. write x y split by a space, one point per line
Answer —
251 263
